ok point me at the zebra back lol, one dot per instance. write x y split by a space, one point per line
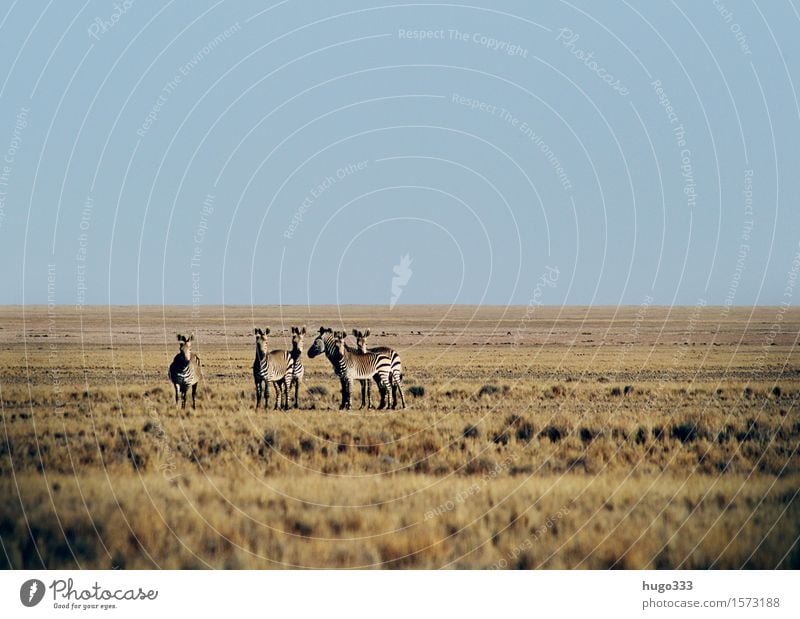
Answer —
275 366
363 366
396 365
350 363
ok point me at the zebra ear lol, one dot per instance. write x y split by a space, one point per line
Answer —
266 331
356 333
366 333
181 338
191 338
303 330
256 331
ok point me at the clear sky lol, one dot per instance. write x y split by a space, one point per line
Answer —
393 153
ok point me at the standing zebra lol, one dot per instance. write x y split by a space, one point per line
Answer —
185 370
274 367
396 373
297 365
366 384
350 365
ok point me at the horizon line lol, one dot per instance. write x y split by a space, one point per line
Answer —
383 305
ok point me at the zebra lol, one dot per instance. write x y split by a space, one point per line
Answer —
274 367
185 370
297 365
366 384
396 374
350 365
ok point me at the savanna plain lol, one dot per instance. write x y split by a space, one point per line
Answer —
640 437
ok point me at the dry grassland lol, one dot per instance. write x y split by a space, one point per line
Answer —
556 438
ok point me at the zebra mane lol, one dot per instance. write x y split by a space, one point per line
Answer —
328 339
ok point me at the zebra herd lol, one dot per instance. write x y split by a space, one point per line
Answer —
284 368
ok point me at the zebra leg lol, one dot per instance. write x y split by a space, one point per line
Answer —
280 391
384 389
387 381
285 385
194 392
398 385
343 382
183 396
363 393
258 394
176 394
349 391
296 390
377 380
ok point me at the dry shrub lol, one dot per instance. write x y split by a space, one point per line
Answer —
487 390
471 431
525 432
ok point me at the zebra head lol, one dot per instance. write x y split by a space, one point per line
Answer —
338 348
186 346
320 342
261 341
297 337
361 339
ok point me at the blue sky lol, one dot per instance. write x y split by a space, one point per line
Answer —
308 152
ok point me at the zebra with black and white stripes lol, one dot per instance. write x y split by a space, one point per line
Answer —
185 370
366 384
396 373
276 367
350 364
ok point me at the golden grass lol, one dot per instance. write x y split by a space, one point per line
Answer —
658 446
